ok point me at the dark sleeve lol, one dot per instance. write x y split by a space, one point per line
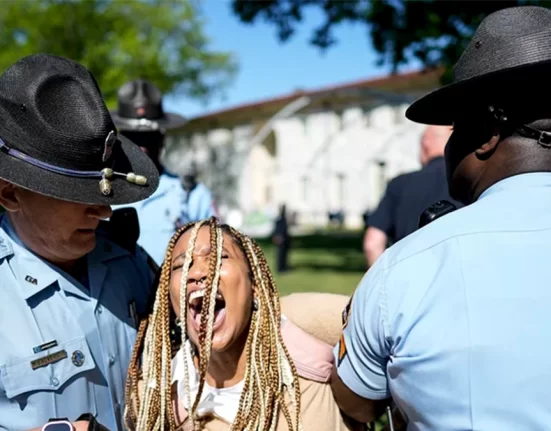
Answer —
384 217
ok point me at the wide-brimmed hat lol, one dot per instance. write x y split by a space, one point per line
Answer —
140 109
508 58
58 139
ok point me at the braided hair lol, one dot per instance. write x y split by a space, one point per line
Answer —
270 372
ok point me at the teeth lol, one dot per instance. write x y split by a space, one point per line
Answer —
199 294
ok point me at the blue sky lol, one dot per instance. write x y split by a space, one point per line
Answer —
268 68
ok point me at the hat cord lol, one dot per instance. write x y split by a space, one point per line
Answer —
105 174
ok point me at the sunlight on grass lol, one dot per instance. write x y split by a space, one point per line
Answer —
320 263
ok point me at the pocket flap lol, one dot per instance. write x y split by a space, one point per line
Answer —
19 377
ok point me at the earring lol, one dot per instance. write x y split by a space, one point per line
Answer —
178 322
255 304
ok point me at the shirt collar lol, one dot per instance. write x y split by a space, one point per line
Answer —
6 249
520 181
435 161
34 274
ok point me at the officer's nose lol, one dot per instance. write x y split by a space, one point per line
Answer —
100 211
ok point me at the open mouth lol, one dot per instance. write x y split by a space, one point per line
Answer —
195 304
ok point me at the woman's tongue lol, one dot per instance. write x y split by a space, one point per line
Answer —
219 311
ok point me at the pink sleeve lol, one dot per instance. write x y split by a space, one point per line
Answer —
312 357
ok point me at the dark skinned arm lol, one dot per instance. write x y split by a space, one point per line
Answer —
358 408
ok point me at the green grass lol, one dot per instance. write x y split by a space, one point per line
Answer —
322 262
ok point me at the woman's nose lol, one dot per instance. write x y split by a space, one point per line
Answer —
198 271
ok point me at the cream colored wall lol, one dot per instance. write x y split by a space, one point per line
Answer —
311 152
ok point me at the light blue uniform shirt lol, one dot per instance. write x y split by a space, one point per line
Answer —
159 214
92 324
454 321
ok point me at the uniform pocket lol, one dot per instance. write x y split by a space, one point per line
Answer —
18 376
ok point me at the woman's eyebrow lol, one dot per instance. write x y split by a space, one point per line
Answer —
180 256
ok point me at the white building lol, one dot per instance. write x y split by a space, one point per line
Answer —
325 151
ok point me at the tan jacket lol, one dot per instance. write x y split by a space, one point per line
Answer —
319 411
313 360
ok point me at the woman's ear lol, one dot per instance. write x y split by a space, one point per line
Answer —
8 196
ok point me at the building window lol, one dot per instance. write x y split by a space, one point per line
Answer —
367 118
304 121
305 186
341 182
399 115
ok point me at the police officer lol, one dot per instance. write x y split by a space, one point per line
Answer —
141 118
453 321
282 240
408 195
70 298
198 203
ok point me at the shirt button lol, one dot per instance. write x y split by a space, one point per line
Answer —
54 381
111 359
100 309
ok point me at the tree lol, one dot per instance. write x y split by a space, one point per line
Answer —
159 40
432 31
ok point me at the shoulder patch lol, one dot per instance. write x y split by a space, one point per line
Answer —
345 318
346 312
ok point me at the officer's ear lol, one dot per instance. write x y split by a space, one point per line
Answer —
488 148
8 196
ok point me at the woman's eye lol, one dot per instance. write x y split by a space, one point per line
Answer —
225 256
176 267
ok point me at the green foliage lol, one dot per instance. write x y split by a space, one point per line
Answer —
159 40
432 31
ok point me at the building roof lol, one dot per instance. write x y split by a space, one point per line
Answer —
400 88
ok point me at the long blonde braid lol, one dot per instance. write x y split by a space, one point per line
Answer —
270 373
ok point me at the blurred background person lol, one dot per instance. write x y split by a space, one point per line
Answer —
282 240
408 195
198 200
141 118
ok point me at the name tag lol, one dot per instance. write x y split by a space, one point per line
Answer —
49 359
45 346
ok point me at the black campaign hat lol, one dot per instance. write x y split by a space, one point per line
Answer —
509 57
58 139
140 109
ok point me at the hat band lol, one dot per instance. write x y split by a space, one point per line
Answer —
105 174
